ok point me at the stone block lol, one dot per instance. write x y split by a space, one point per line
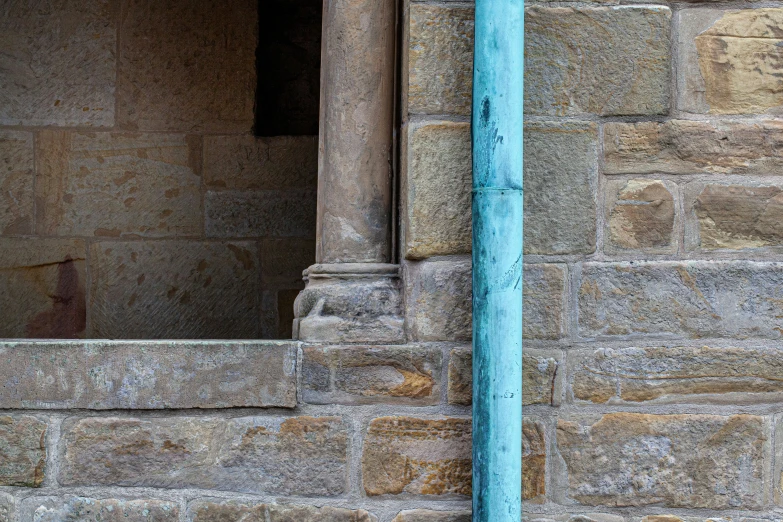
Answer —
23 443
543 289
7 507
438 188
733 216
640 216
425 515
58 63
539 377
691 299
118 184
187 67
693 147
16 182
679 374
205 511
376 374
101 375
418 456
439 305
440 54
572 517
730 61
687 461
70 508
534 455
42 288
277 213
609 61
245 162
284 260
296 456
561 183
174 290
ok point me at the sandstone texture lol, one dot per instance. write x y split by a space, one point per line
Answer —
42 288
16 182
734 216
460 390
543 289
609 61
690 299
146 375
640 215
283 261
534 454
7 507
175 57
679 374
281 456
202 511
377 374
71 508
174 289
424 515
693 461
439 300
248 163
561 176
438 187
277 213
58 63
694 147
573 517
440 54
118 184
419 456
23 446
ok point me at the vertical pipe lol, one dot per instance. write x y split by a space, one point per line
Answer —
498 70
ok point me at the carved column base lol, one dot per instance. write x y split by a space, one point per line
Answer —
350 303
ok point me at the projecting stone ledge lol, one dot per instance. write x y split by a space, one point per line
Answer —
147 374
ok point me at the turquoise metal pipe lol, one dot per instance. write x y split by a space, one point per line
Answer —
498 72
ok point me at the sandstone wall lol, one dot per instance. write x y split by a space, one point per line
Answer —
135 201
652 293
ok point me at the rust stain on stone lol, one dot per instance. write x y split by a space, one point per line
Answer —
67 317
243 256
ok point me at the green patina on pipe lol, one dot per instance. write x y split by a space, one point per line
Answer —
498 71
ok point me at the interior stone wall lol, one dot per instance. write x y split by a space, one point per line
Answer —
135 201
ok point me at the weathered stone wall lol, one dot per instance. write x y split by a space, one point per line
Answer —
135 201
653 273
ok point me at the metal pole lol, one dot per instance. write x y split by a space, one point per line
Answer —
498 72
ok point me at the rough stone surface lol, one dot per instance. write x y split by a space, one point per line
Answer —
543 301
118 184
23 446
361 375
284 260
640 215
574 517
425 515
438 187
684 299
694 461
693 147
42 288
281 456
739 59
734 216
175 57
58 63
70 508
534 454
561 179
601 60
7 507
146 375
174 290
420 456
249 163
439 300
440 52
538 378
680 374
16 182
280 213
231 511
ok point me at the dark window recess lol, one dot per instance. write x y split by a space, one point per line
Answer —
288 65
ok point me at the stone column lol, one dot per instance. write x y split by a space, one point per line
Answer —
342 301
